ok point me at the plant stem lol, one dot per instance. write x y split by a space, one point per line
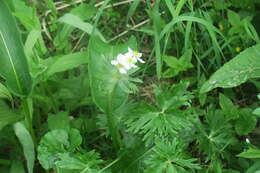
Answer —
28 113
112 123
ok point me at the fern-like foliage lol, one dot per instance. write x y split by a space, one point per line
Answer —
169 157
215 134
166 118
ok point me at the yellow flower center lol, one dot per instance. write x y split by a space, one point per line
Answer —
119 65
221 27
130 60
238 49
136 53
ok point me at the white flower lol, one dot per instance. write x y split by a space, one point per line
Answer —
122 69
125 62
135 54
247 141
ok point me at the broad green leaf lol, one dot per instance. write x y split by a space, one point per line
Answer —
8 116
51 144
14 67
86 162
251 153
4 93
246 122
27 143
77 22
68 162
64 63
105 80
238 70
56 142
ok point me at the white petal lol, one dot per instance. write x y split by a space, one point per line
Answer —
130 50
128 54
122 70
134 66
139 59
114 62
127 66
139 55
121 58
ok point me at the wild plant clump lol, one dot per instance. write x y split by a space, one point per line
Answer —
131 86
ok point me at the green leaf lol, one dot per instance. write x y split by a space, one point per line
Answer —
233 18
29 19
246 122
64 63
77 22
257 112
105 80
31 40
83 11
169 157
55 142
87 162
251 153
165 120
14 67
68 162
177 65
8 116
238 70
52 7
4 93
215 133
228 107
62 118
28 146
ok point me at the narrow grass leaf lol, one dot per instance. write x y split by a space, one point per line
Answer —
77 22
31 40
